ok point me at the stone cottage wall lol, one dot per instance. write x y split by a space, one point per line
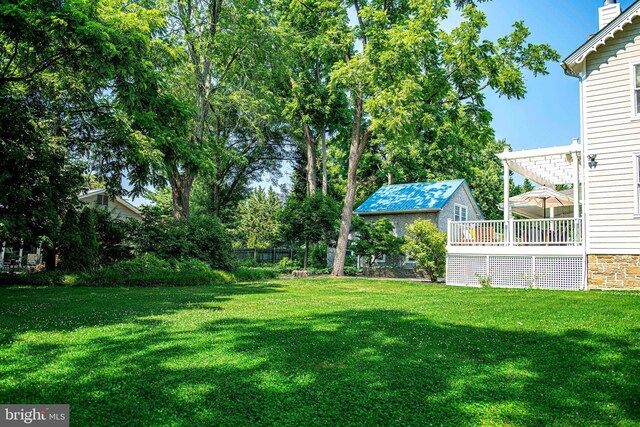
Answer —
448 212
613 271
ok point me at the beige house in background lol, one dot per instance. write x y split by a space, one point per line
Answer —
118 207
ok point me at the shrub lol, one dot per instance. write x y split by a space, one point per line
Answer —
114 237
318 256
428 247
145 271
375 239
141 264
246 274
352 271
286 265
45 278
202 238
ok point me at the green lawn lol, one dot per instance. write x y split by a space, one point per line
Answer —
323 352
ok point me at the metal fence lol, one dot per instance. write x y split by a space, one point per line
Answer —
264 256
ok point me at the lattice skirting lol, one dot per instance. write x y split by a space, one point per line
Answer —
541 272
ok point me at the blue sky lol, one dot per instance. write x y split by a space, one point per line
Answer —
550 114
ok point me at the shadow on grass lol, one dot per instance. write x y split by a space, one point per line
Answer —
67 309
348 367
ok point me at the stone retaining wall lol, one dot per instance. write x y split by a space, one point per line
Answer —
613 271
393 273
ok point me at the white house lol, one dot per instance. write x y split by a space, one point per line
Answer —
118 207
598 246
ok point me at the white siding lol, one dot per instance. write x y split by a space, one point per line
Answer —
117 209
613 135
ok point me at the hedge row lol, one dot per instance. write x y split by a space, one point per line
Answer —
154 278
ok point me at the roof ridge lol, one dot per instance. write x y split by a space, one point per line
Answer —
600 38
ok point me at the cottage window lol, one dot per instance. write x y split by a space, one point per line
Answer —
102 200
636 90
460 213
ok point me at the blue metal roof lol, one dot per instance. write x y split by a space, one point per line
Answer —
420 196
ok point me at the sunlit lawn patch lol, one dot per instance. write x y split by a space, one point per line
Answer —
329 352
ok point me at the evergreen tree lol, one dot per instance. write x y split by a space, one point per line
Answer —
89 250
70 243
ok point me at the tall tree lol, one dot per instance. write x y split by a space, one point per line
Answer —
60 64
230 75
318 34
259 215
409 74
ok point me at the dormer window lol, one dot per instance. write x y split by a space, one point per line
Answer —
102 200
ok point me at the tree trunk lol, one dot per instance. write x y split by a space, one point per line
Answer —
358 142
389 178
306 253
181 185
312 160
324 163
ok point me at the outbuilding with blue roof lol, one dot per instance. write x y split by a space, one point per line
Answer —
438 201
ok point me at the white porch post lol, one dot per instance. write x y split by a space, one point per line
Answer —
20 253
506 206
576 190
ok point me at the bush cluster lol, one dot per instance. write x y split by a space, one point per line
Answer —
144 271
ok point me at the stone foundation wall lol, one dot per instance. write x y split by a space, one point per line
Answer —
613 271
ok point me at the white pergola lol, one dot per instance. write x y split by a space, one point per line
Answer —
544 166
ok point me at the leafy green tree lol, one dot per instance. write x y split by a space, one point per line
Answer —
310 220
230 80
428 247
412 80
259 219
314 46
375 239
69 72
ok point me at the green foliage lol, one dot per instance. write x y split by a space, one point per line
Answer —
88 252
146 270
428 247
352 271
258 219
375 239
417 93
313 219
203 238
318 256
114 237
70 243
44 278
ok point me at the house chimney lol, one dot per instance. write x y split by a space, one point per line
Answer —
607 13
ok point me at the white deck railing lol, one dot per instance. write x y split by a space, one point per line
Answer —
516 232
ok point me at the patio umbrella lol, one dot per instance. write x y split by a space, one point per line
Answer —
543 197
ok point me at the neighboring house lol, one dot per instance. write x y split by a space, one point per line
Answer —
118 207
402 204
600 245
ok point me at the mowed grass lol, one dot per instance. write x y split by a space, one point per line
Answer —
323 352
